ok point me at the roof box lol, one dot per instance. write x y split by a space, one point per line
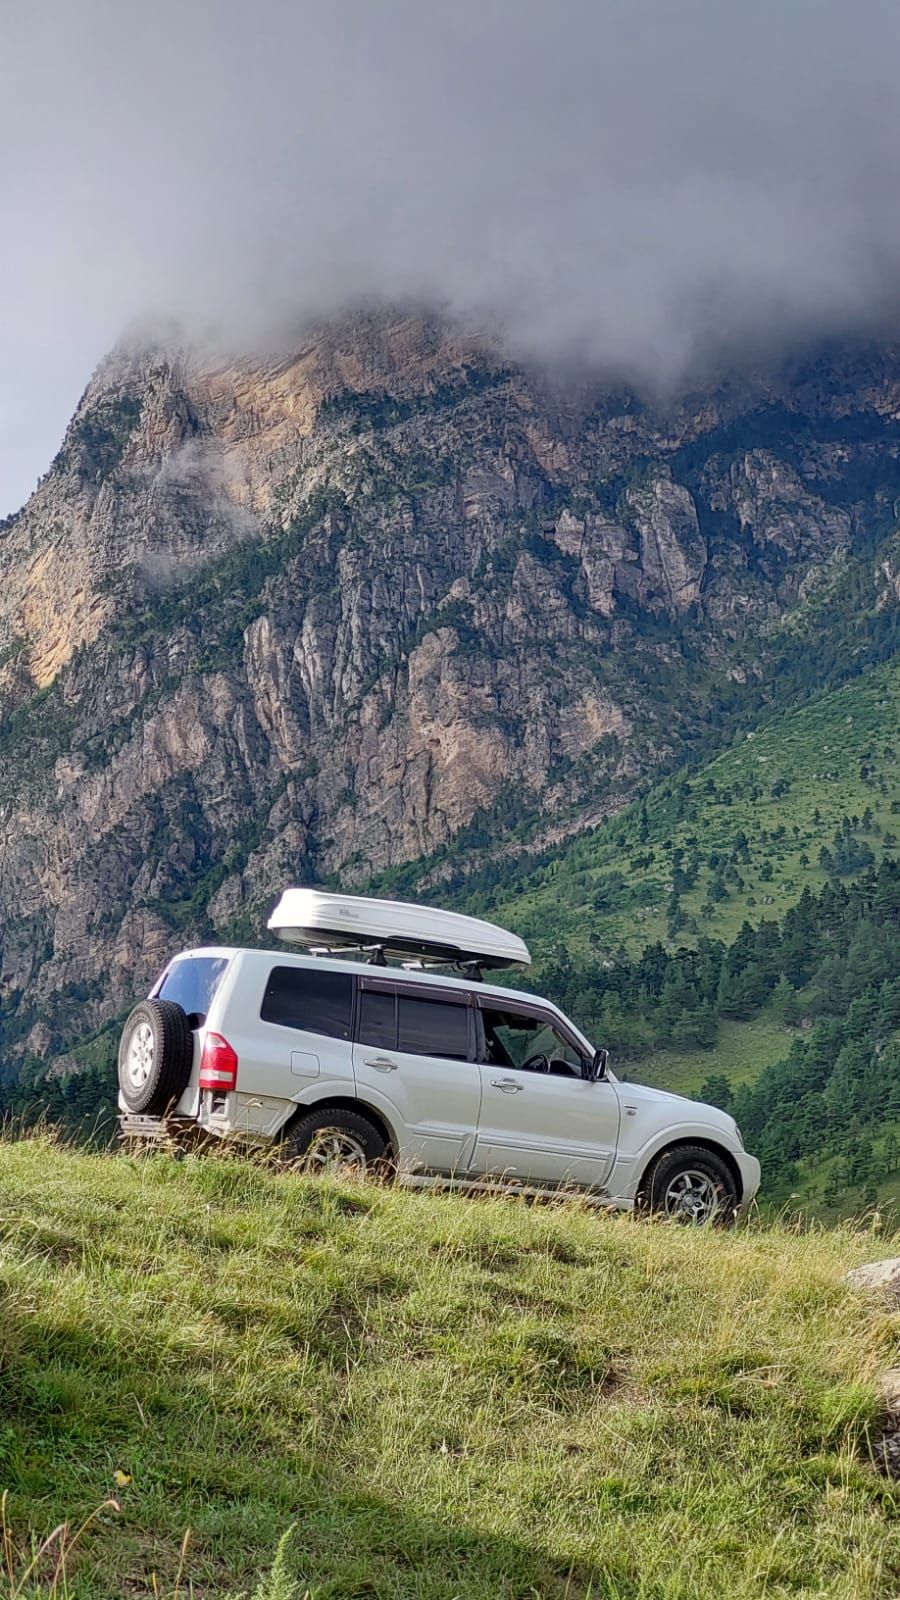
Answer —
321 920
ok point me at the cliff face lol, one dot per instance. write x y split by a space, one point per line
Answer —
280 618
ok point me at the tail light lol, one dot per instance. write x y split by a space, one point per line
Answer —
218 1064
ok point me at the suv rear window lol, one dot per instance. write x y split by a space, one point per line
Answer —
192 983
316 1002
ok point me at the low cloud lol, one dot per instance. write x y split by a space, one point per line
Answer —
642 186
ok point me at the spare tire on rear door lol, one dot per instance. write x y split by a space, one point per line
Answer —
156 1052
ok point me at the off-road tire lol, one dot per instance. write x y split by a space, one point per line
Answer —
162 1027
680 1162
302 1136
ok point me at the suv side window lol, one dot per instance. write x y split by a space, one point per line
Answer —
316 1002
378 1018
433 1028
515 1037
419 1025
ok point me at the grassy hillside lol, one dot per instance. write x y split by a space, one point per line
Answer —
741 1052
786 789
442 1398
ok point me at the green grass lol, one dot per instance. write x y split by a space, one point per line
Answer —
444 1398
838 755
741 1053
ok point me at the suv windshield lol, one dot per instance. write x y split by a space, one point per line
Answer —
192 981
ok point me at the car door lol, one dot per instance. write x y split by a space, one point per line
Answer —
540 1120
299 1035
414 1061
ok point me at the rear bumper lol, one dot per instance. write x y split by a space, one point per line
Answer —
168 1132
250 1119
257 1118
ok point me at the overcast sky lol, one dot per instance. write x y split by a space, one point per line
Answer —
643 182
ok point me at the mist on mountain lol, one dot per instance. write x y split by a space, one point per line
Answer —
646 189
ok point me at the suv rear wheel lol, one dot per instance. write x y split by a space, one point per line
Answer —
156 1053
334 1141
693 1185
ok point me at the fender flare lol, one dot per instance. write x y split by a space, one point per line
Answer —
688 1133
346 1102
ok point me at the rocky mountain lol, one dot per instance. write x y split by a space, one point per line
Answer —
279 619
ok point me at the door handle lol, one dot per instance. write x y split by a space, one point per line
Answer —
380 1063
508 1085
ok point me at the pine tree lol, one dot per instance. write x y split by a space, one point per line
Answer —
716 1091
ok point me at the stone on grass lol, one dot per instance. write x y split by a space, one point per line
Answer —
882 1277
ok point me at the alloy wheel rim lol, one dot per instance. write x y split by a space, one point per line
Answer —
335 1150
139 1058
692 1196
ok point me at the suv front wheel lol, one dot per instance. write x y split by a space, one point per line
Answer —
693 1185
334 1141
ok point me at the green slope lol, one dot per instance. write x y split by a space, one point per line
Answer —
441 1397
741 1052
786 788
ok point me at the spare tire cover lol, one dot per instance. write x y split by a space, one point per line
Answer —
156 1053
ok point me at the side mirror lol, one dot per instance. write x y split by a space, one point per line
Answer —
595 1069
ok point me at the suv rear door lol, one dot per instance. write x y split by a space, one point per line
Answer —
414 1060
297 1034
192 982
546 1127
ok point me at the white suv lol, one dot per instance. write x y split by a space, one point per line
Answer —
436 1078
